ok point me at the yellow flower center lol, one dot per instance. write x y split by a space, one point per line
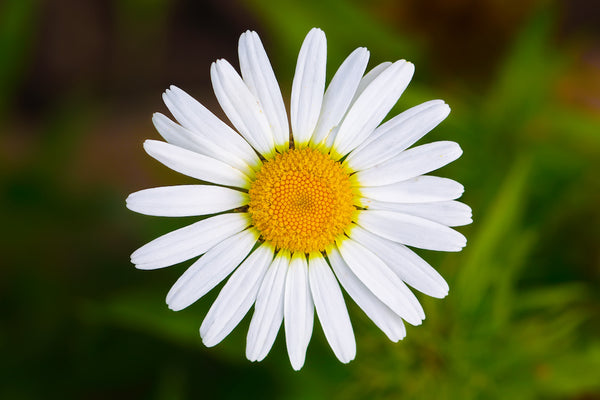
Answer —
301 200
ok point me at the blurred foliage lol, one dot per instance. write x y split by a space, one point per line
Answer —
16 20
522 317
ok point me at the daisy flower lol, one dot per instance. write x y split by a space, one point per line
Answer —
293 217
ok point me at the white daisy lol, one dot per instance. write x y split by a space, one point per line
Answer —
289 218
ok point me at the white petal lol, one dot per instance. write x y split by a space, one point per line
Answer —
410 163
330 138
183 137
388 321
308 86
242 108
236 297
331 309
260 79
421 189
195 117
371 107
397 135
397 121
369 77
185 200
382 281
298 311
449 213
210 269
175 133
268 310
339 93
196 165
189 241
411 231
409 267
363 84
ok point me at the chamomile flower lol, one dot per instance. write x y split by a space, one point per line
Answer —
287 217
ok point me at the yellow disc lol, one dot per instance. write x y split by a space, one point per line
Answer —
301 200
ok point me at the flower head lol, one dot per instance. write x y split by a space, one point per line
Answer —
290 217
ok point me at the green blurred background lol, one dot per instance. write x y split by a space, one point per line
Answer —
79 81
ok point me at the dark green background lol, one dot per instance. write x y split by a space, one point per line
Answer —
79 81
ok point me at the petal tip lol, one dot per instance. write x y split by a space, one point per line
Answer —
297 365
